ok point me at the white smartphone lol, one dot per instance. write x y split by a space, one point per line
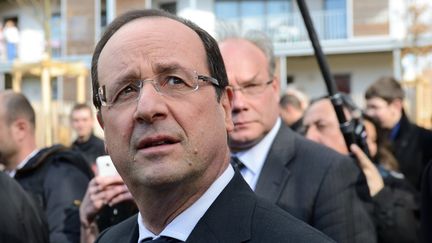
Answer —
105 166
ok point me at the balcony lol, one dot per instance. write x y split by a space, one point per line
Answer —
289 28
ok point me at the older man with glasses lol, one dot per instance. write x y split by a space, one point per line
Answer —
161 90
311 182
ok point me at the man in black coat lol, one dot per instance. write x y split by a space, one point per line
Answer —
160 87
56 178
86 142
411 144
21 220
306 179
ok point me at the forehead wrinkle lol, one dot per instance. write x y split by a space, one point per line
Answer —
149 47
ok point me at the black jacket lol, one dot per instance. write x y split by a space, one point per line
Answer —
395 211
21 220
57 179
91 149
237 215
426 205
412 148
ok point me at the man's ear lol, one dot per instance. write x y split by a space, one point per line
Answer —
100 119
397 104
276 86
21 128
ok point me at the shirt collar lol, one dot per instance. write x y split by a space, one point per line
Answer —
181 227
395 130
22 163
254 157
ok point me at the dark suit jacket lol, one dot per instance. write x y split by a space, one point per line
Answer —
426 204
21 220
316 185
412 148
237 215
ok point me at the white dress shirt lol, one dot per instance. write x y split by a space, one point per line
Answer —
12 173
182 225
254 158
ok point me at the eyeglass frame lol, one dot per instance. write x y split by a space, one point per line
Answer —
241 89
156 86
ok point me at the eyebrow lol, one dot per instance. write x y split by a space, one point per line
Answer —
159 68
251 80
125 78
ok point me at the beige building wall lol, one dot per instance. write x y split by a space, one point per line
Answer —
80 27
363 69
126 5
370 17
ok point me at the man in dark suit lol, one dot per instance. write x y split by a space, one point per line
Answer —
311 182
159 85
426 204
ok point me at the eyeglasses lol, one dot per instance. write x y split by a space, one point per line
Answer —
252 88
173 83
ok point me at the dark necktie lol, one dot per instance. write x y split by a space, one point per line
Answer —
236 163
162 239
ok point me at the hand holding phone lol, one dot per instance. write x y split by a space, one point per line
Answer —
105 166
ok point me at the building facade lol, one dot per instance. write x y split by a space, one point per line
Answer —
362 39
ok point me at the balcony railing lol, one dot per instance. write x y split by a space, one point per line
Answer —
288 28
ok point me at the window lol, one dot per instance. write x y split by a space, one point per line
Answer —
335 22
343 82
56 34
7 81
251 14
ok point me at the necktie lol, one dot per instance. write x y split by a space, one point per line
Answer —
162 239
236 163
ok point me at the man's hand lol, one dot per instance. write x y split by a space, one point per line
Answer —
102 190
373 177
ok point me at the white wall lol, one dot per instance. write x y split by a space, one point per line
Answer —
364 69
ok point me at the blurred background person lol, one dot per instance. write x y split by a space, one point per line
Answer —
55 177
291 112
21 220
394 207
86 142
11 36
410 143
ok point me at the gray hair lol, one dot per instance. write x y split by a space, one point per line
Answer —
256 37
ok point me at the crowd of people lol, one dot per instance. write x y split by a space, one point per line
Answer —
207 150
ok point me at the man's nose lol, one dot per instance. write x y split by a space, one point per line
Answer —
312 133
238 101
150 105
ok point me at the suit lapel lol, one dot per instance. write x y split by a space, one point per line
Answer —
133 238
229 218
275 174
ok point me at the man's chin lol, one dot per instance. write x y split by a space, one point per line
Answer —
240 143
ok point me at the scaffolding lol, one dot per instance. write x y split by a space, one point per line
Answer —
47 69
